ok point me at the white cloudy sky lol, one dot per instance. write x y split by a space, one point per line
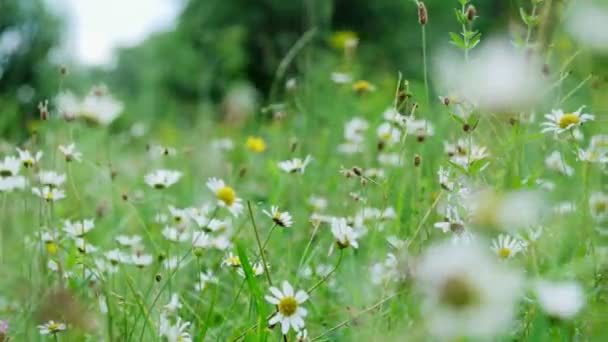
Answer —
97 26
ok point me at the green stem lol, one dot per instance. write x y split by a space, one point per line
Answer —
257 238
315 286
424 64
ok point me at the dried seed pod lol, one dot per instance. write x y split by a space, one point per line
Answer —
423 15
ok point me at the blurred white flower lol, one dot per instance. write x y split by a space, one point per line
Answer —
556 162
9 167
162 179
561 300
281 218
27 159
466 293
506 246
174 332
497 78
598 204
295 165
70 153
587 22
559 122
225 195
51 178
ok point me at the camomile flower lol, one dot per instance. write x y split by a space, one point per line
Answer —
27 159
598 204
388 134
83 246
289 313
216 225
344 234
392 115
465 292
116 256
174 304
340 77
9 184
172 263
49 194
255 144
162 179
232 260
559 122
225 195
9 167
556 162
592 156
51 178
129 241
506 246
222 144
390 159
78 228
201 240
70 153
141 260
302 336
52 327
281 218
295 165
452 223
317 203
419 128
257 268
161 151
350 147
174 332
179 215
205 278
444 179
354 130
174 234
100 107
562 300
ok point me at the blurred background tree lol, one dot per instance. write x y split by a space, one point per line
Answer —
28 34
220 47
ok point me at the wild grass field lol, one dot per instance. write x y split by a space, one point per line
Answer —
355 204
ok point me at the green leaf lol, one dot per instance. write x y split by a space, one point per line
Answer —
252 284
456 40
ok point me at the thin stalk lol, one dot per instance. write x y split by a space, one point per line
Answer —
257 238
315 286
424 65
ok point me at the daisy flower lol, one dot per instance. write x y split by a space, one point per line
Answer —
49 194
388 134
78 228
452 223
257 268
225 195
174 332
51 327
506 246
174 304
51 178
175 234
289 313
100 107
561 300
223 144
129 241
70 153
556 162
295 165
9 184
27 159
9 167
344 235
162 179
201 240
419 128
592 156
302 336
363 86
598 204
280 218
231 260
205 278
341 78
466 293
559 122
141 260
354 130
116 257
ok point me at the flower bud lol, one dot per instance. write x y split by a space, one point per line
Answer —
423 16
471 13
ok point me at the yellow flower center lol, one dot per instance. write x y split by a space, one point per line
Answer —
504 252
362 86
49 196
288 306
53 327
51 247
234 261
568 119
457 293
255 144
601 207
226 195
